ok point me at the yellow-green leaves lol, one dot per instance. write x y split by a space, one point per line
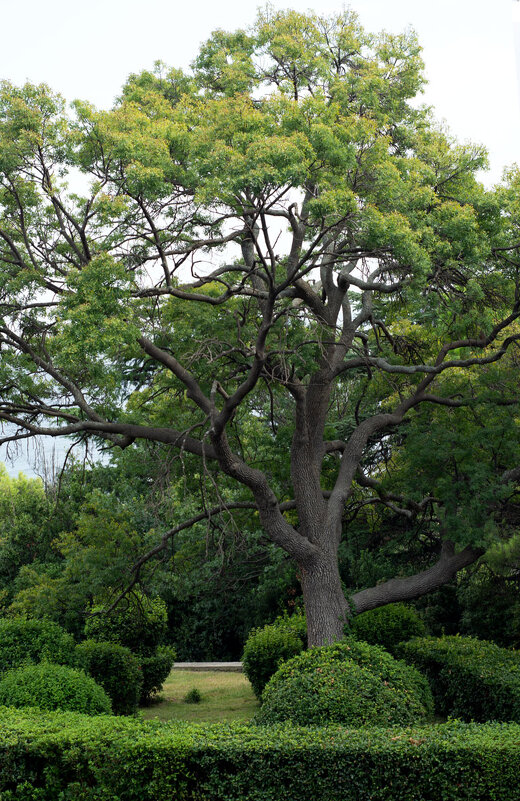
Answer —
96 322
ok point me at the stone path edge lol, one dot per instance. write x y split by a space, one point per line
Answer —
234 667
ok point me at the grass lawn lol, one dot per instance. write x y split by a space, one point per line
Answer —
225 696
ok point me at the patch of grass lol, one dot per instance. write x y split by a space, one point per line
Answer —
225 696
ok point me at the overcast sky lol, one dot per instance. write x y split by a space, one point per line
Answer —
87 50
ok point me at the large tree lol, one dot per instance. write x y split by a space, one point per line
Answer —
269 264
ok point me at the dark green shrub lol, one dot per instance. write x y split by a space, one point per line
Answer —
471 679
388 625
266 648
490 608
350 683
116 669
49 686
24 641
47 756
155 669
137 622
193 696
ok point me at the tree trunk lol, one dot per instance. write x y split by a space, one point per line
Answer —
326 608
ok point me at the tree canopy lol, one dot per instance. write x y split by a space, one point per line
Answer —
274 263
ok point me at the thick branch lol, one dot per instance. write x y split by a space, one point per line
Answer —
406 589
131 431
193 389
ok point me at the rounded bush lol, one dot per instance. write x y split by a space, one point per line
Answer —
266 648
51 687
349 683
138 622
388 625
24 641
116 669
155 669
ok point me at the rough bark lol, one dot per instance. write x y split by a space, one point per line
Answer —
410 587
326 607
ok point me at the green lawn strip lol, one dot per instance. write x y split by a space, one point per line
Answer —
225 696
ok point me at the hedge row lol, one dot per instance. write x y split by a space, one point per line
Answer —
46 756
471 679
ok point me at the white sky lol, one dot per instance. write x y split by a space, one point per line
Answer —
87 50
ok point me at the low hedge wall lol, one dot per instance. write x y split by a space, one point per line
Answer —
470 679
46 756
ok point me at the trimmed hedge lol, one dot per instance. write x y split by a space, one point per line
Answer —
471 679
50 687
154 670
116 669
388 625
46 756
266 647
351 683
24 641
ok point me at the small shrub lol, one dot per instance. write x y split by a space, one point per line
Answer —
266 648
388 625
138 622
350 683
51 687
193 697
471 679
24 641
155 669
116 669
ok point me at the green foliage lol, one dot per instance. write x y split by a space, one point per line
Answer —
100 523
388 625
471 679
46 756
137 622
26 524
490 607
222 586
114 668
193 696
155 669
306 120
50 687
265 649
352 683
28 641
